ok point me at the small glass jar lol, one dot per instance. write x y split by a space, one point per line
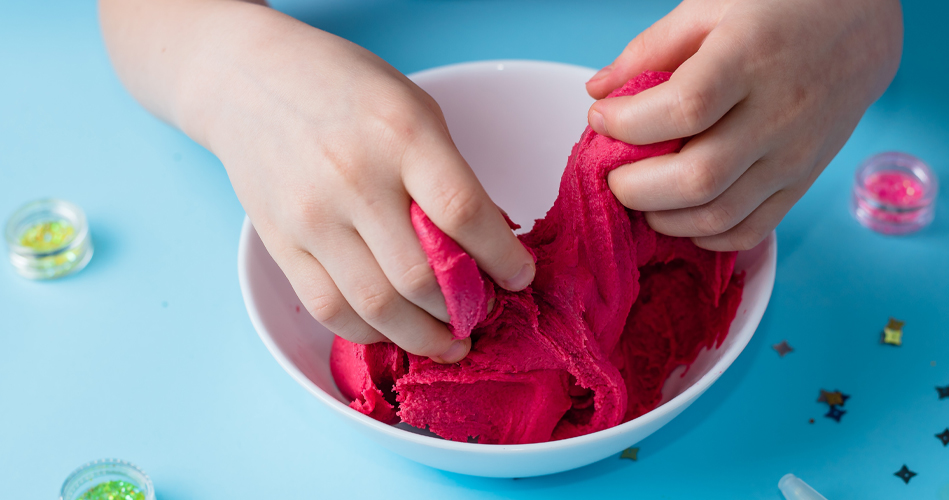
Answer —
894 193
96 473
48 239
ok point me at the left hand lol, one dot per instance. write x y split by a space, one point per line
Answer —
770 90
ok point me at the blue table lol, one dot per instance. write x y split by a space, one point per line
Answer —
148 354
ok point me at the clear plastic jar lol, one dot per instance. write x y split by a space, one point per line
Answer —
894 193
102 471
48 239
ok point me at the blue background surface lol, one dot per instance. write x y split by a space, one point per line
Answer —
148 354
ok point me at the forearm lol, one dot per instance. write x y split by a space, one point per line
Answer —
181 58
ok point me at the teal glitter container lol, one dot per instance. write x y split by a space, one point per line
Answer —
96 473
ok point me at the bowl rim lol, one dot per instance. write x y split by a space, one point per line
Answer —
677 403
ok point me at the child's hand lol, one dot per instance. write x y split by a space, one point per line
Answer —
326 145
771 90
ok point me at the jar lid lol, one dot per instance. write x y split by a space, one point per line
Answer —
48 239
102 478
894 193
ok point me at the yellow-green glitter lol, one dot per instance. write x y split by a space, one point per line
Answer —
47 236
113 490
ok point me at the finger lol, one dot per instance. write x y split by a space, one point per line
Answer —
725 212
756 227
387 229
697 95
363 284
456 202
705 167
661 47
323 300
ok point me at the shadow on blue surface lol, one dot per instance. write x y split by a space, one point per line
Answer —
105 247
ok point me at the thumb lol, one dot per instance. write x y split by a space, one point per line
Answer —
661 47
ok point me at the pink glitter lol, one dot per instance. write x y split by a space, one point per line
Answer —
894 193
895 188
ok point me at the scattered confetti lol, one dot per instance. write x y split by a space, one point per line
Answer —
893 333
812 420
943 392
630 453
905 474
782 348
944 437
298 309
835 413
110 490
835 398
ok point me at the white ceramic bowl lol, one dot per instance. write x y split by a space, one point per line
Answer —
515 122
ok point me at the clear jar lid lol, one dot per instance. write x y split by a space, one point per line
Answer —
894 193
48 239
109 475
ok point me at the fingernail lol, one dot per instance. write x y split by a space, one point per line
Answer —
454 354
601 74
522 279
598 123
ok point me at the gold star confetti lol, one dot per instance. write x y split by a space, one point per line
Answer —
782 348
630 453
893 333
835 398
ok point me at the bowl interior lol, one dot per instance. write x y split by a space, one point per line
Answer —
515 122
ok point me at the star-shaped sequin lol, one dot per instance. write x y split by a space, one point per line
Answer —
630 453
835 413
905 474
782 348
892 333
835 398
943 391
944 437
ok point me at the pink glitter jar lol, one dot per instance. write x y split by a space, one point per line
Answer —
894 193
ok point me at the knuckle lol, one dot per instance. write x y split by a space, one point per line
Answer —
714 219
417 281
396 126
691 111
426 346
747 238
460 208
375 303
396 121
327 309
698 182
363 336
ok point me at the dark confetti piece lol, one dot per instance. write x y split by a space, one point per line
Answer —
944 437
783 348
943 391
905 474
835 413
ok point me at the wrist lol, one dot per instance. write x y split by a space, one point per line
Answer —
221 66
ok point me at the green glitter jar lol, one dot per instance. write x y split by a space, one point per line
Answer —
108 479
48 239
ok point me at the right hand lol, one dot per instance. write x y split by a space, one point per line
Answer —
326 145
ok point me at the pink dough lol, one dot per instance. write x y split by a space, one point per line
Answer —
615 307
